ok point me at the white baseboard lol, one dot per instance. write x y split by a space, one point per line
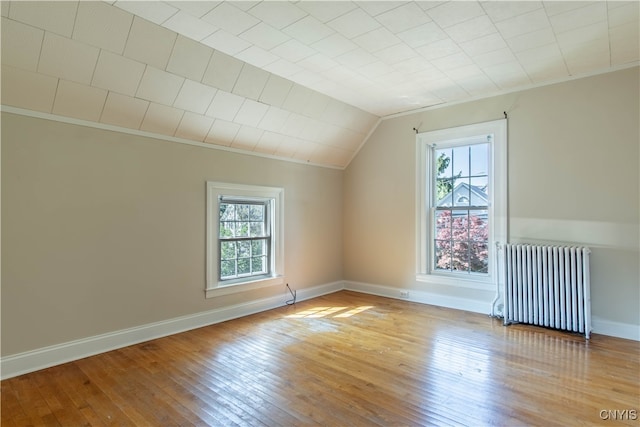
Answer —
423 297
22 363
615 329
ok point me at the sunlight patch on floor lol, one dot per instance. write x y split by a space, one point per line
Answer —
318 312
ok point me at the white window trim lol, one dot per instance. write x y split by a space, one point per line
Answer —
215 287
497 202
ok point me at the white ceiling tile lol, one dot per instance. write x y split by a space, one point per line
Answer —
582 35
543 54
225 106
226 42
288 146
591 55
416 64
454 12
246 4
403 18
154 11
447 90
304 150
308 30
451 62
150 44
26 89
222 72
393 54
264 36
229 18
375 69
21 44
501 10
283 68
625 43
274 119
439 49
495 57
196 8
4 9
275 91
189 58
67 59
117 73
334 45
257 56
247 138
277 14
57 17
557 7
79 101
318 62
579 17
543 71
251 82
507 74
628 12
354 23
374 8
297 98
295 125
122 110
477 85
523 24
316 105
325 11
356 58
194 126
189 26
471 29
161 119
194 97
250 113
377 39
268 143
292 50
102 25
531 40
422 35
222 132
159 86
481 45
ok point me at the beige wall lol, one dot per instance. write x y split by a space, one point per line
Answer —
103 231
573 178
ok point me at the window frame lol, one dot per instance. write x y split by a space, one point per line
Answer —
274 198
425 201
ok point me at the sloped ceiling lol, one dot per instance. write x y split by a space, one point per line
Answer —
301 80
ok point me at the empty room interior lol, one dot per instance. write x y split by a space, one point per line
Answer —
393 213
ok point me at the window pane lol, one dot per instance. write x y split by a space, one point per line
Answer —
242 212
443 163
442 255
256 213
258 247
460 256
461 192
242 229
228 250
480 159
227 212
244 266
244 249
257 229
227 269
479 257
461 161
478 225
480 191
443 225
257 264
460 226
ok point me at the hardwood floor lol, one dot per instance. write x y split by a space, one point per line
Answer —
339 360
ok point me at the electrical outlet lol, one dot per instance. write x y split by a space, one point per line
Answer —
404 294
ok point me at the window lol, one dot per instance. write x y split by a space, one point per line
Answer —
244 237
461 199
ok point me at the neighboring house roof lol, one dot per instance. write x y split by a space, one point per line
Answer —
465 195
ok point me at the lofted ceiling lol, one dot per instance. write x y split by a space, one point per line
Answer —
300 80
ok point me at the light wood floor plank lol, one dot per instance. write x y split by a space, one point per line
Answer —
345 359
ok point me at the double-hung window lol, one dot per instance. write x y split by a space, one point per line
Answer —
461 204
244 237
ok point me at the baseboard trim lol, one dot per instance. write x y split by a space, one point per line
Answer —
615 329
422 297
30 361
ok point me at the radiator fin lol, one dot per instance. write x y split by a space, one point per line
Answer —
548 286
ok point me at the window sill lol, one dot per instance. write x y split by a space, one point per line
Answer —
483 283
243 286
